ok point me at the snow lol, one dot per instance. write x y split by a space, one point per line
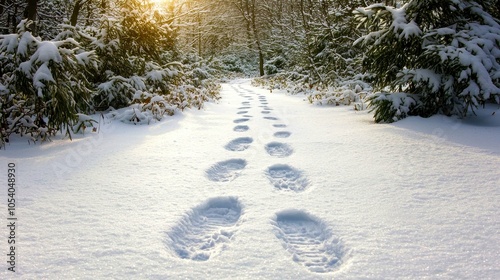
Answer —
352 200
47 51
156 75
431 78
25 42
3 89
42 74
401 25
9 42
84 58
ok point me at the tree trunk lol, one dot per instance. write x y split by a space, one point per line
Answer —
103 6
76 12
261 62
12 20
4 29
30 11
257 38
199 34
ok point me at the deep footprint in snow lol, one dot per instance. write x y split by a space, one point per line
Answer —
239 144
242 120
266 112
285 177
226 171
279 125
282 134
277 149
309 241
206 230
242 112
245 103
244 108
241 128
271 118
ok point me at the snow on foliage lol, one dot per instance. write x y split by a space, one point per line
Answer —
46 82
50 85
401 25
41 77
449 61
398 105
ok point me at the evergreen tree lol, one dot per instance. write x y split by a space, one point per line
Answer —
43 84
439 56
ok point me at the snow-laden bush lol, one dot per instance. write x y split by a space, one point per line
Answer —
391 107
145 108
160 91
43 84
139 62
446 53
350 91
275 65
126 60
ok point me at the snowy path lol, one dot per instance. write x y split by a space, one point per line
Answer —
262 186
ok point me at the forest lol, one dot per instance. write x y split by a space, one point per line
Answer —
140 60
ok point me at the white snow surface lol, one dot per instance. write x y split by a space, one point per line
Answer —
344 198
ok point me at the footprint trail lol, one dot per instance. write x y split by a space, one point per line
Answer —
309 241
206 230
226 171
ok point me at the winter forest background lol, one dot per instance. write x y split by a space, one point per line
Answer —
138 61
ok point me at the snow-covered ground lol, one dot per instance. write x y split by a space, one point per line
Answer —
261 186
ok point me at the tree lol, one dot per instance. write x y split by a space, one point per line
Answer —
44 85
250 13
439 56
76 10
30 11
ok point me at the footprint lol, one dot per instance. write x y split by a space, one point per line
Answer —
279 125
242 112
241 128
241 120
271 118
247 116
245 103
266 112
244 108
285 177
282 134
239 144
206 230
226 171
277 149
309 241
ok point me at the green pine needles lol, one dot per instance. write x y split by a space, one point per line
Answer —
442 55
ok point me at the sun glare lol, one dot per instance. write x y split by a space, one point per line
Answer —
160 3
